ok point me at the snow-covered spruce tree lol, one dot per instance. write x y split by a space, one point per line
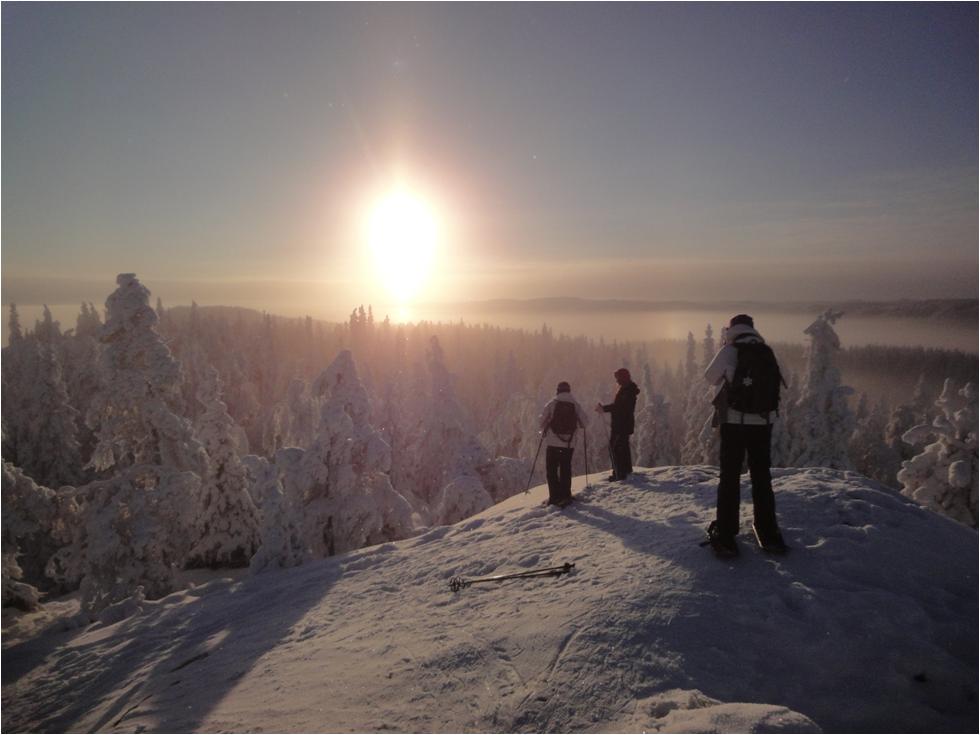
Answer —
17 593
47 331
37 521
504 436
41 435
228 525
822 422
138 526
15 332
916 411
18 376
281 545
653 437
135 534
781 446
438 463
690 360
338 489
701 440
48 444
921 403
869 453
405 415
80 368
451 456
388 515
135 412
191 351
292 422
943 476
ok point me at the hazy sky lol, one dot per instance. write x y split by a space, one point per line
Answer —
229 152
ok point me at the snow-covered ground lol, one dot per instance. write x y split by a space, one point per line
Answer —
869 624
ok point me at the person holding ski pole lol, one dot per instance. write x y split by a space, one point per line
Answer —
621 412
559 420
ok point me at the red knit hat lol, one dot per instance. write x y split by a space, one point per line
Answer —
622 374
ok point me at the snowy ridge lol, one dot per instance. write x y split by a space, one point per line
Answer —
869 624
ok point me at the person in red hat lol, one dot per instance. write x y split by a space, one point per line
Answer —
621 409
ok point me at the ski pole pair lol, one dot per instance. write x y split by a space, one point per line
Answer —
458 583
585 443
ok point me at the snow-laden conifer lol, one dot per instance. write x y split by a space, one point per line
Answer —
48 448
135 412
451 455
81 372
14 330
227 527
281 545
338 488
781 443
701 440
370 457
822 421
870 454
47 330
943 476
138 526
17 593
19 366
135 534
653 431
37 522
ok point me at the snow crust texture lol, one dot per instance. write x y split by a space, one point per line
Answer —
862 627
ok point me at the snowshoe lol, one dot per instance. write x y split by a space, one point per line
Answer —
724 546
773 544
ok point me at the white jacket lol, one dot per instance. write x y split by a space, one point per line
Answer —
722 370
551 439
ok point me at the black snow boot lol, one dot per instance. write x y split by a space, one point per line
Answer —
724 545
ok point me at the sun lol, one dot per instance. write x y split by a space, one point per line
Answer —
403 236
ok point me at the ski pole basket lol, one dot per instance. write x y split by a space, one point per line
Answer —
458 583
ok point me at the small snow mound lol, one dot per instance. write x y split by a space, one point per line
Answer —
694 712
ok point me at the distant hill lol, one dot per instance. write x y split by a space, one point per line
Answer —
961 310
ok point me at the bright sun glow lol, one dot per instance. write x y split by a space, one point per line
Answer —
403 236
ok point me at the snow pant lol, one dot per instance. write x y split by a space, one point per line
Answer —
558 468
737 440
619 453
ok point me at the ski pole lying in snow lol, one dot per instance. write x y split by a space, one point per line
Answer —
458 583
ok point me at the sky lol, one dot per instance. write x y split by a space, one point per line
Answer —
232 153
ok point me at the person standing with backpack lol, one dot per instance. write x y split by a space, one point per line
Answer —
747 403
559 420
622 423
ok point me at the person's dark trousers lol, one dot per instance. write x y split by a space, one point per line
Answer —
619 453
558 467
737 440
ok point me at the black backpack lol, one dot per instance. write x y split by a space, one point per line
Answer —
564 421
755 387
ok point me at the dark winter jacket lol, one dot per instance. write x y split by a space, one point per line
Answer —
622 408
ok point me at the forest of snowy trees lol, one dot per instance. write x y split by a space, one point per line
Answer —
145 440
